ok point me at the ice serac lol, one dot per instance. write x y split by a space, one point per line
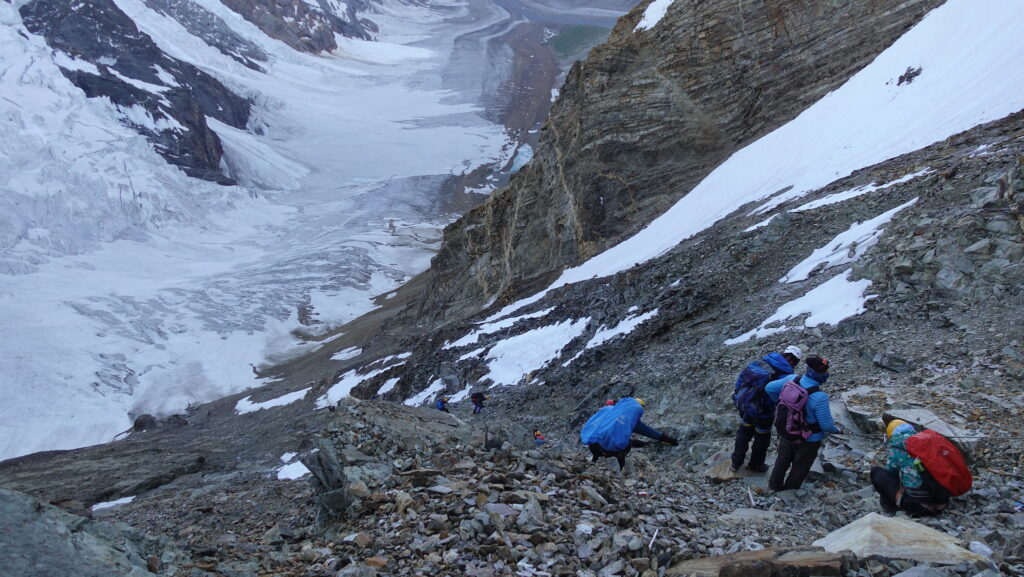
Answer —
642 120
162 98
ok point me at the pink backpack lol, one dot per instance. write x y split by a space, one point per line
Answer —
790 420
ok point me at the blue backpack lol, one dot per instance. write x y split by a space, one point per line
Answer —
749 397
612 426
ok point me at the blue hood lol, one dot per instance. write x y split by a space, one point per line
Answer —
779 363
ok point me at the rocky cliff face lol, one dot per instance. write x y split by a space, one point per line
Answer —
163 98
211 29
306 26
642 120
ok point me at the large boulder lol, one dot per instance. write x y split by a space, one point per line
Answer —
897 538
40 539
330 481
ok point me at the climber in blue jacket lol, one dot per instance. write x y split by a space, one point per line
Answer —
800 456
608 432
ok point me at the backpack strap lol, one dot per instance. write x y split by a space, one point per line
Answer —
814 427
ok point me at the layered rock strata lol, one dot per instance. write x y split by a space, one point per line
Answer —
642 120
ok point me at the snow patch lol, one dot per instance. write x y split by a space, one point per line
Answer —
292 471
488 327
426 394
346 354
344 386
605 334
832 301
761 224
245 405
846 247
515 357
388 385
855 192
653 14
115 503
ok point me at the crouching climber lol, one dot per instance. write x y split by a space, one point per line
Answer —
608 432
538 438
922 471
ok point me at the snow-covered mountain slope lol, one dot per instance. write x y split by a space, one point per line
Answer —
128 287
964 65
956 69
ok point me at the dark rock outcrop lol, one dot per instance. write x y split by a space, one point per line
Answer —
641 121
128 68
40 539
302 26
211 29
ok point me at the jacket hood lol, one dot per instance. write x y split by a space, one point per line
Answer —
779 363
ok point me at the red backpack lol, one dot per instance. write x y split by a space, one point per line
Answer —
941 460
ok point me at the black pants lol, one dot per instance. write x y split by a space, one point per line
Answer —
749 430
597 452
799 456
914 502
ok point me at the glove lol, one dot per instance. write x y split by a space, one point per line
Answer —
669 440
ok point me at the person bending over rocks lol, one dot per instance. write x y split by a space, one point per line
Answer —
904 484
608 432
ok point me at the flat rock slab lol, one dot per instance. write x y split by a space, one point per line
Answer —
721 472
768 563
865 405
897 538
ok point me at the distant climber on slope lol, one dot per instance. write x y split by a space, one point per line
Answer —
607 433
478 399
538 438
442 404
756 409
802 419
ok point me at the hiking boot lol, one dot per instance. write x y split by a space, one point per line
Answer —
762 468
